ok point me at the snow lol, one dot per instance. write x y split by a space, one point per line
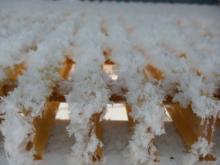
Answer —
117 136
181 41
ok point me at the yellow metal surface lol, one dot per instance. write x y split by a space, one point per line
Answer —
190 126
10 82
153 72
98 129
44 124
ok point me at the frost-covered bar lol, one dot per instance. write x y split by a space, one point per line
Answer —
153 63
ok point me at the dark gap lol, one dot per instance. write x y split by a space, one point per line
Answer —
170 145
116 135
59 143
216 139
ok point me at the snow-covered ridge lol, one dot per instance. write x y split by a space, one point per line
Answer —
180 42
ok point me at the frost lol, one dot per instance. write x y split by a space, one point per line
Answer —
201 147
183 46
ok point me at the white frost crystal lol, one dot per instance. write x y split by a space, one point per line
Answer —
184 47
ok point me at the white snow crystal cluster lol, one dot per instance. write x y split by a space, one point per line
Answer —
144 97
184 48
200 148
89 94
34 87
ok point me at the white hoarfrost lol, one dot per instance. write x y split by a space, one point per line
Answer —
200 148
89 94
149 115
184 46
34 87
